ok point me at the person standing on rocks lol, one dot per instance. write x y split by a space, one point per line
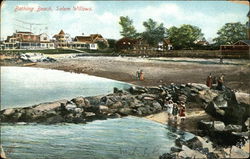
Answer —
141 75
170 108
175 110
209 80
220 83
182 111
138 74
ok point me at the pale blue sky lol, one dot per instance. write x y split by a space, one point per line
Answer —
104 17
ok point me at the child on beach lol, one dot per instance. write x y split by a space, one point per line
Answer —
182 111
170 108
175 110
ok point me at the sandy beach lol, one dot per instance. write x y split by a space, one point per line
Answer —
157 70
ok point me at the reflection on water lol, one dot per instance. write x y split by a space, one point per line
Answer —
129 137
24 86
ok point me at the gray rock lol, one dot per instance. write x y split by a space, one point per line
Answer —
137 90
157 106
125 111
235 128
154 90
50 106
81 102
238 153
247 123
89 114
8 112
103 109
206 96
167 156
205 125
218 126
189 153
198 142
198 86
70 107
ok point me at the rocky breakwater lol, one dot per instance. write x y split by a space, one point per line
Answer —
139 101
202 148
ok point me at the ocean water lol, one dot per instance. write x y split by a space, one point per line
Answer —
122 138
26 86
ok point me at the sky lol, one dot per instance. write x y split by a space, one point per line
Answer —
102 17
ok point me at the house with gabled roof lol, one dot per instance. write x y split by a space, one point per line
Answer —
28 40
88 42
62 40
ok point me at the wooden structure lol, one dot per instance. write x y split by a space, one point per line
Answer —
240 49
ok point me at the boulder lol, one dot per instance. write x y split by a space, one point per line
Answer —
89 114
70 107
175 149
157 106
215 111
233 128
117 105
238 108
179 142
54 119
205 125
8 112
247 123
50 106
154 90
218 126
167 156
198 142
198 86
103 109
189 153
206 96
137 90
125 111
242 98
238 153
81 102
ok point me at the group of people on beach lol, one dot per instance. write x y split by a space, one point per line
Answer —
218 83
140 74
175 110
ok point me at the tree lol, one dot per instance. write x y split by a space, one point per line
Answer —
128 30
154 32
101 45
231 33
184 36
111 43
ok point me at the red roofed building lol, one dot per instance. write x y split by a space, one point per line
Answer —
88 42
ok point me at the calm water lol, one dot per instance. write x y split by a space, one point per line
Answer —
128 138
124 138
25 86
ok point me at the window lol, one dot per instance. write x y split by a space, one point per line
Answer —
45 38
